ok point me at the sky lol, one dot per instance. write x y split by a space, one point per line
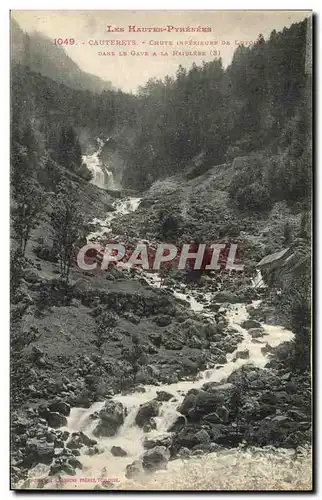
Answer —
228 29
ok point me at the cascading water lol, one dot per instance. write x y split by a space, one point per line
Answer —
121 207
130 437
102 176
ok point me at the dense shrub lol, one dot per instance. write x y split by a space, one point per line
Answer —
253 197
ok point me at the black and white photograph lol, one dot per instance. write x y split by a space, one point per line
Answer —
161 200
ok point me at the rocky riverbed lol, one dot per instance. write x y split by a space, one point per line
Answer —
209 377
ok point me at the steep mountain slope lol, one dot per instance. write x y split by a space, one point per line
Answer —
42 56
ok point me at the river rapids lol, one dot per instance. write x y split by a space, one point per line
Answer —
265 468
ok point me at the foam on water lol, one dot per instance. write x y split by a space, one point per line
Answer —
130 437
102 176
121 207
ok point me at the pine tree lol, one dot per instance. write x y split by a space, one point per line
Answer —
66 220
27 194
69 153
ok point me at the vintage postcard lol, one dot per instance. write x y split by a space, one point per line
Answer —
160 274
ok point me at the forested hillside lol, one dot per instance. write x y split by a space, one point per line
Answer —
259 103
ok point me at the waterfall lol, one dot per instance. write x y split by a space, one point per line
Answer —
102 176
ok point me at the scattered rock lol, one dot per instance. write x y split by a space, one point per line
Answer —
111 418
255 333
150 425
180 422
241 354
131 317
163 320
135 469
146 411
229 297
148 444
95 450
31 276
188 402
197 452
39 451
202 436
117 451
61 467
76 464
156 458
183 453
56 420
250 323
61 407
163 396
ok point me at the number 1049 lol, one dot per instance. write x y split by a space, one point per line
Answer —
64 41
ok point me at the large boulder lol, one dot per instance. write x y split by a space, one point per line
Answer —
111 418
244 354
39 451
254 377
220 416
205 402
150 425
61 407
283 351
178 424
148 444
79 439
219 355
156 458
256 333
60 467
250 323
117 451
188 402
56 420
163 396
189 437
146 411
76 464
134 469
202 436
